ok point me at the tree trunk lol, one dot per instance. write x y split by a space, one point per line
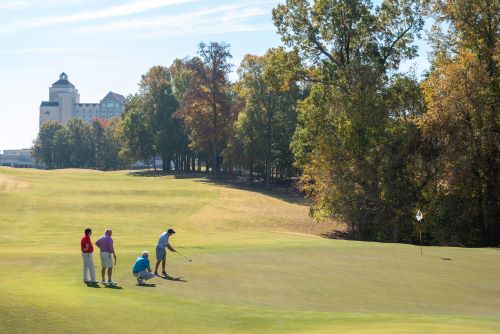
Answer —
251 172
215 167
164 162
268 167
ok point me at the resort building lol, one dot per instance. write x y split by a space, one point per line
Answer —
64 104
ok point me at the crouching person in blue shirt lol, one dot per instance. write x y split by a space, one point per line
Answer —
142 268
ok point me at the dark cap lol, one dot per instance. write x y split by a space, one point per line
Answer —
170 231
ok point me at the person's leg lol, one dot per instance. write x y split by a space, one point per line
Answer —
145 275
156 266
163 263
103 266
85 264
148 275
158 259
91 268
110 272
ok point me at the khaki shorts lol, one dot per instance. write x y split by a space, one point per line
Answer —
106 260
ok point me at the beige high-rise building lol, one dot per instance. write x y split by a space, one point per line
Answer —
64 104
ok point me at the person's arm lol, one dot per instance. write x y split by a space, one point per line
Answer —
113 250
98 243
85 246
170 248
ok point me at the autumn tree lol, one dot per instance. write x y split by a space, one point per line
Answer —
462 96
205 107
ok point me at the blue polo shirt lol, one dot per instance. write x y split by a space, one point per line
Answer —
141 264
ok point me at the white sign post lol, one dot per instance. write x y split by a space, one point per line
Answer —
419 217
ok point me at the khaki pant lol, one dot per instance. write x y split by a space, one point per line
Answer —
106 260
145 275
88 266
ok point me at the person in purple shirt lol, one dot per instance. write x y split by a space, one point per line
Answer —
105 244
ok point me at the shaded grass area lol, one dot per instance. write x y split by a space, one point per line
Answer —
258 265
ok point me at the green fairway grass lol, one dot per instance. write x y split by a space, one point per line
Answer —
259 264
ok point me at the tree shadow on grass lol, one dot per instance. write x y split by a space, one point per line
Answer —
281 190
339 235
288 194
158 173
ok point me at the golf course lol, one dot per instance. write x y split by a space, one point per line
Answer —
259 264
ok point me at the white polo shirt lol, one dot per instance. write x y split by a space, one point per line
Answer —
163 241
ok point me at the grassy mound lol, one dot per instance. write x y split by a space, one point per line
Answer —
258 264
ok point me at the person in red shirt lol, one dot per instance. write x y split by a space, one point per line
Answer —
88 261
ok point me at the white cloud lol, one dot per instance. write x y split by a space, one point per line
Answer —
49 50
113 11
13 4
207 15
212 20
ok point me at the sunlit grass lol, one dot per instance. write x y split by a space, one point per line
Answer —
258 265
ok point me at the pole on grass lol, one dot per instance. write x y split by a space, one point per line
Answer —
419 217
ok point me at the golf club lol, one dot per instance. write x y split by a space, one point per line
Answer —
188 259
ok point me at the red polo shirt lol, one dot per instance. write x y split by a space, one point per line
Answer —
86 240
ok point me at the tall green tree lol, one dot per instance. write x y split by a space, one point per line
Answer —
106 145
352 51
100 141
161 103
81 145
268 85
134 131
51 146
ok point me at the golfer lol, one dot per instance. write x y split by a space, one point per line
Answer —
88 261
161 253
105 244
142 269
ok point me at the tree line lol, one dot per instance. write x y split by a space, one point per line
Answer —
367 143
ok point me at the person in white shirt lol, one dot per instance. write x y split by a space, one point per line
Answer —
161 253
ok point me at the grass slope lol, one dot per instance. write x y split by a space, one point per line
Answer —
257 264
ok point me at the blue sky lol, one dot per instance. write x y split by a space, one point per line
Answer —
107 45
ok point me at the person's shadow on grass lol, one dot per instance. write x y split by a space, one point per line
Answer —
92 285
113 286
147 285
174 279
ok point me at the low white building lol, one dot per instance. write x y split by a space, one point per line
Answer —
17 158
64 104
